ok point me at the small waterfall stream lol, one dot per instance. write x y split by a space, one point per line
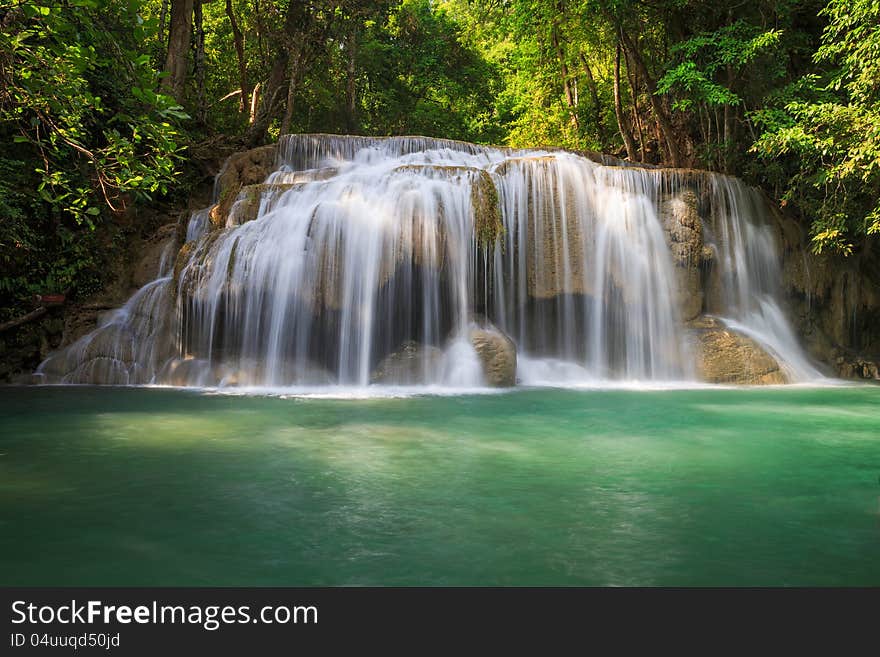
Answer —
362 255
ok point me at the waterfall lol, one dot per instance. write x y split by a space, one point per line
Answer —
584 274
359 260
129 346
750 274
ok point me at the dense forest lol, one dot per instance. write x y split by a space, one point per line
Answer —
106 104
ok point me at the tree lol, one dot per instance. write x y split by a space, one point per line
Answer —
85 134
177 60
827 128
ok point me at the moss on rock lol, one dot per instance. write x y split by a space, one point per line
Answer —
240 170
488 224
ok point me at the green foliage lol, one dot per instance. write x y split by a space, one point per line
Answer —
81 95
434 84
85 134
783 92
695 86
723 54
526 43
828 130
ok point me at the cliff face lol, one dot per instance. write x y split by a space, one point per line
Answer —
834 302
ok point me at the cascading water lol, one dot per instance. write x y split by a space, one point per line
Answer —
585 275
129 346
749 274
364 260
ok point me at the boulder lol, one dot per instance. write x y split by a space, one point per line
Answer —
189 372
497 353
725 356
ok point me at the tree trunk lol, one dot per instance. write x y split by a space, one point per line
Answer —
635 58
198 20
622 124
566 83
255 98
729 124
299 24
261 29
162 14
177 61
292 88
270 96
272 91
18 321
633 79
351 80
303 37
238 40
594 96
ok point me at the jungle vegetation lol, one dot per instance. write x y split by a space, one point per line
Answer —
103 103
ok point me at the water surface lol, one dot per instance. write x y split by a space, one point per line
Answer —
128 486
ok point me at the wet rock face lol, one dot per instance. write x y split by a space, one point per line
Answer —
497 353
155 250
558 240
725 356
240 170
858 368
555 243
835 302
412 363
684 230
247 205
125 349
191 371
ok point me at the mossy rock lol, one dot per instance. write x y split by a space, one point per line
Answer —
488 224
411 363
247 206
182 258
240 170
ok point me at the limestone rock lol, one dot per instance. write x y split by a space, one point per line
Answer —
497 352
189 372
411 363
554 241
247 204
725 356
488 225
240 170
155 250
684 230
858 368
835 301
